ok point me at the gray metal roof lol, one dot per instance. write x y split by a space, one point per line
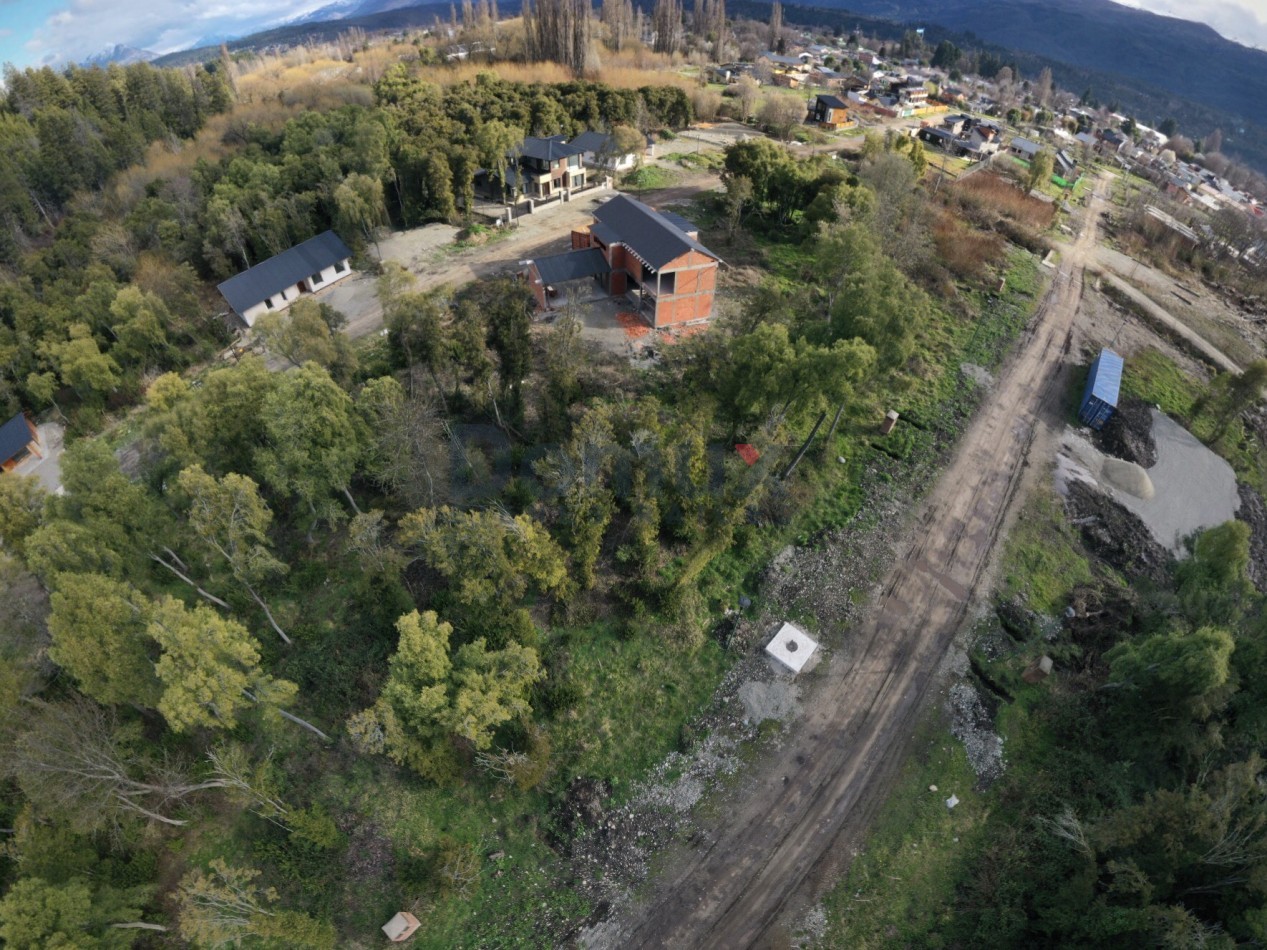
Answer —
603 233
572 265
15 435
547 150
832 102
591 141
288 268
653 238
679 222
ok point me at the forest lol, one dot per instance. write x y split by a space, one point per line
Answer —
299 647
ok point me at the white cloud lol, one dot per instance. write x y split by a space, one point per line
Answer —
82 28
1244 21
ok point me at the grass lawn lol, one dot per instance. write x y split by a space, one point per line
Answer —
1042 557
649 178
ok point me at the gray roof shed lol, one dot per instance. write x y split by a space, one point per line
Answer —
15 436
572 265
288 268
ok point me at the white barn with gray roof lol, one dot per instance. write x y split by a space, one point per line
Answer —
278 282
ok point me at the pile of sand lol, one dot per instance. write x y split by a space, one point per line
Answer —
1127 477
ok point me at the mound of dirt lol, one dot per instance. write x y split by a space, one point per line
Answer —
583 807
1128 477
1116 535
1254 513
1129 434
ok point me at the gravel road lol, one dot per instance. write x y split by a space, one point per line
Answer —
788 830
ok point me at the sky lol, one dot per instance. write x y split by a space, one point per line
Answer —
58 32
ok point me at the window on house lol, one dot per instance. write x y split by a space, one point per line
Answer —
668 282
269 303
314 279
340 267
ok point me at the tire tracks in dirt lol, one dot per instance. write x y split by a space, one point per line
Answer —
789 831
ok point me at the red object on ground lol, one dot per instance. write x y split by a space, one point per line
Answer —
747 453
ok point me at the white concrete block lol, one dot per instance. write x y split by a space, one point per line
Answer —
792 647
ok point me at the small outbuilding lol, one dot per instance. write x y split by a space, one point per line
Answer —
831 112
401 927
1104 382
19 439
279 281
792 647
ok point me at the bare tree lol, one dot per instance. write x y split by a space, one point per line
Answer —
560 31
666 20
73 759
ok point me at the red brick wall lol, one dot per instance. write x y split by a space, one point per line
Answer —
536 286
692 297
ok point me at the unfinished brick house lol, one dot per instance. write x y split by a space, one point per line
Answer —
652 258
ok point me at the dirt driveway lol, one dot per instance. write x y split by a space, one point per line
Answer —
789 830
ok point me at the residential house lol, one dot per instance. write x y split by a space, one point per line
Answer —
1024 148
546 167
600 149
653 258
730 73
1065 166
278 282
941 138
1111 139
831 112
19 439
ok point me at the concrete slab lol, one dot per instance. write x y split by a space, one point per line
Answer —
792 647
49 468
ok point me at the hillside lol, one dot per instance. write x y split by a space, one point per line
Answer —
1181 57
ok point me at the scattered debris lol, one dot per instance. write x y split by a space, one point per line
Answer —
973 725
890 420
978 374
951 802
1117 536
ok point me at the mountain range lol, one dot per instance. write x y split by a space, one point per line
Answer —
123 55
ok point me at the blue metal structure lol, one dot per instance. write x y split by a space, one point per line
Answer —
1104 382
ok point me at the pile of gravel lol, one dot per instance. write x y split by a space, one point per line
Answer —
971 724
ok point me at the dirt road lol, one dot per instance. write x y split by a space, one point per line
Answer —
785 833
